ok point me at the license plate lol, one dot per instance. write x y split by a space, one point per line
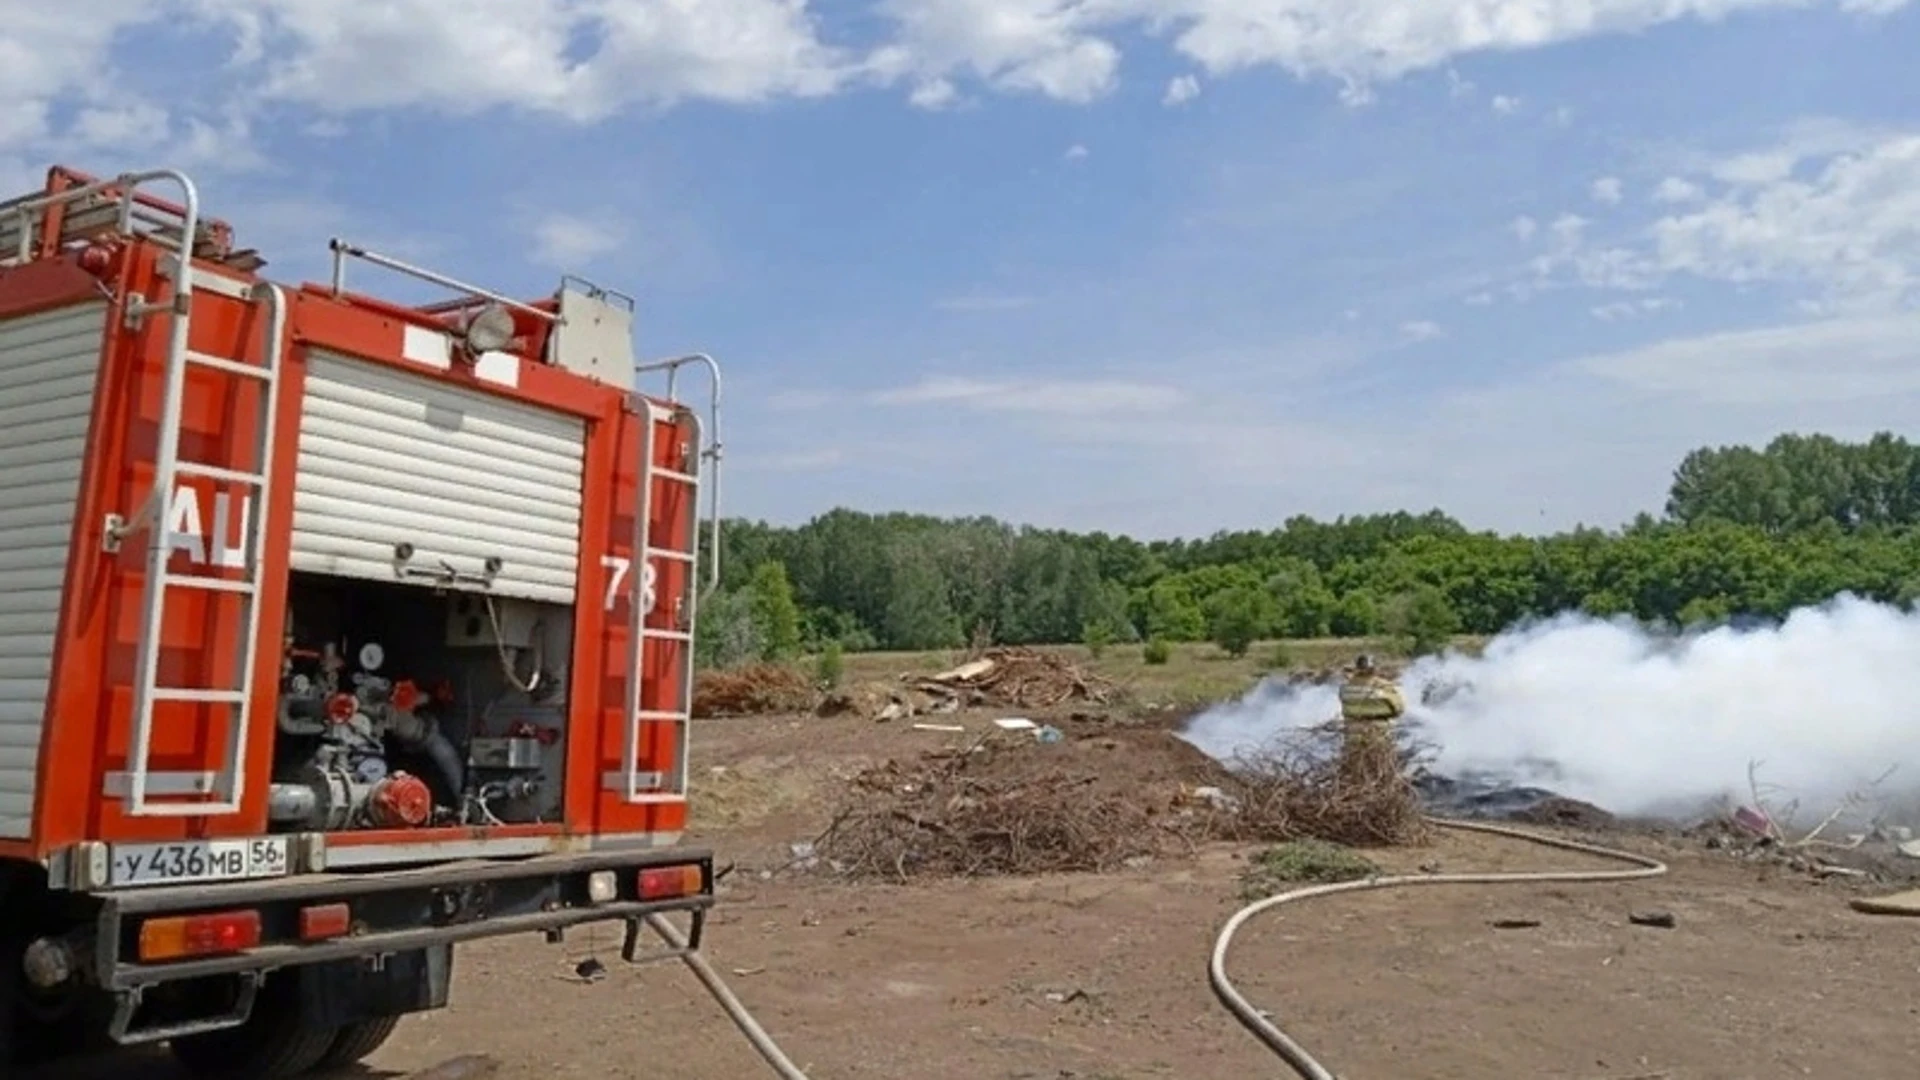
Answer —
199 860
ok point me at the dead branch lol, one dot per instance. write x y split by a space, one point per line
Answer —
1849 802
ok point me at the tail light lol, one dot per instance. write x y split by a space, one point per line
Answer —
671 882
323 921
199 935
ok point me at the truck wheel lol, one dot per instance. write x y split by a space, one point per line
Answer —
357 1041
277 1042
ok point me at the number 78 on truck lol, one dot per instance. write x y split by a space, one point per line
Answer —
334 631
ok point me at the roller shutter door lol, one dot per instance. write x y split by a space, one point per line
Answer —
388 458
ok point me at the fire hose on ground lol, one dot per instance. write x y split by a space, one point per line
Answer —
1291 1052
736 1012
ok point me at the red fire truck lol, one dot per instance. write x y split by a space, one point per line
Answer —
333 631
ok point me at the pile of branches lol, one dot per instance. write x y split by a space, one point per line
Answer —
1318 784
754 690
1003 807
1016 677
1006 805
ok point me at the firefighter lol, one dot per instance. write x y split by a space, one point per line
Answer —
1368 697
1369 704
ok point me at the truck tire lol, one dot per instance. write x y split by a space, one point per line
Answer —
277 1042
357 1041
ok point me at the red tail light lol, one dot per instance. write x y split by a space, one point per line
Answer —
324 921
671 882
199 935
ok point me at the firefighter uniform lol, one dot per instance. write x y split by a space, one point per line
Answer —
1369 704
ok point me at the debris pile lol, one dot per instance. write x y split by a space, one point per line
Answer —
1875 855
754 690
1082 796
1010 803
1852 842
1019 678
1314 785
1004 677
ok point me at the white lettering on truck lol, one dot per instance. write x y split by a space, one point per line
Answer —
187 533
618 567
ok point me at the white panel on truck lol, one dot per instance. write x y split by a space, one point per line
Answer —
388 457
49 364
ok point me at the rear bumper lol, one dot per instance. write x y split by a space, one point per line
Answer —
394 911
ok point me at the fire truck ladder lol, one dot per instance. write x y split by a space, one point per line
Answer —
670 786
218 792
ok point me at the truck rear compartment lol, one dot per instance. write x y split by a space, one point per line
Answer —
404 708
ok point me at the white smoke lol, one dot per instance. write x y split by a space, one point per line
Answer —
1644 723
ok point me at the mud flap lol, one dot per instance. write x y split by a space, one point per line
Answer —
342 992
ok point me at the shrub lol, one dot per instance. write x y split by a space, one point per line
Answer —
829 666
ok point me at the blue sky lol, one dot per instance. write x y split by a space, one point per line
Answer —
1155 266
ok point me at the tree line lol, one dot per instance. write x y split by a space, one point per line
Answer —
1745 533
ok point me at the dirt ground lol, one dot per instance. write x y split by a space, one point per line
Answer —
1765 973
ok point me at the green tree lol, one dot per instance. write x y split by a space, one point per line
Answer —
727 633
917 614
1172 614
775 615
1236 618
1357 614
1423 619
1747 531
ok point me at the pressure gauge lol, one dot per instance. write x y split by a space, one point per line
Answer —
372 656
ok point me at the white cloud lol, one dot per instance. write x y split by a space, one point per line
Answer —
1505 105
1675 190
934 94
1568 228
1524 228
1845 226
1060 397
1421 330
1829 360
526 53
1180 90
570 242
333 59
1066 48
1076 152
1622 310
1608 190
1830 214
584 60
1031 46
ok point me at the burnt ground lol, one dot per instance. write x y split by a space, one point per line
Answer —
1765 972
